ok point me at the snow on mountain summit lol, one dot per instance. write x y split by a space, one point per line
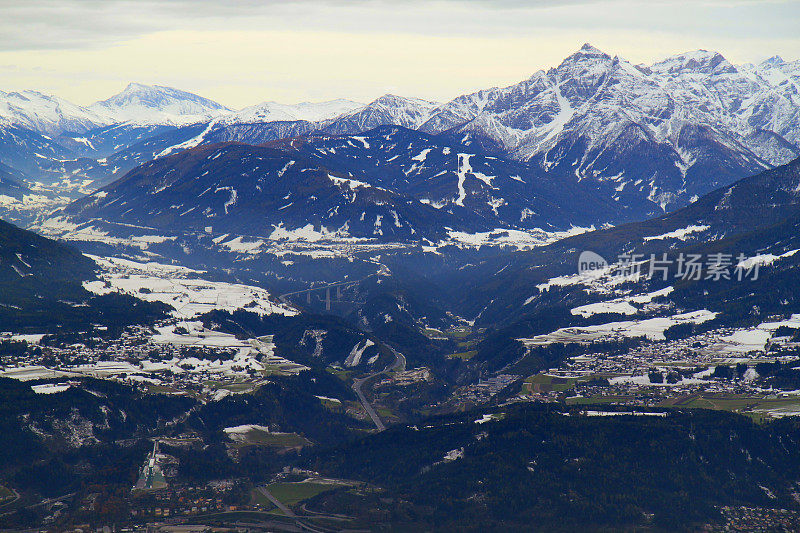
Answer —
308 111
45 113
774 60
388 109
588 49
656 130
697 61
156 104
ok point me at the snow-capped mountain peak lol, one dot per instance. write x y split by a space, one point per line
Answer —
594 116
392 99
45 113
387 109
156 104
699 61
588 49
586 54
773 61
308 111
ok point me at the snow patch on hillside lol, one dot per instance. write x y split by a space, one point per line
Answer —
188 295
681 234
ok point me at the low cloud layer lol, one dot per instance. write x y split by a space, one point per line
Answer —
59 24
241 52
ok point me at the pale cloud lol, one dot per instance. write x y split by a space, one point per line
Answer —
243 52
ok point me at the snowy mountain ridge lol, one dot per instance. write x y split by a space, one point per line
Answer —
147 105
308 111
655 129
46 114
667 133
156 104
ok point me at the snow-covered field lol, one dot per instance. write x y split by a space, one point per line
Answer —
354 358
189 296
59 227
30 205
246 361
601 281
623 306
181 288
680 234
192 333
726 344
29 373
754 339
50 388
651 328
31 338
622 413
645 380
780 412
519 239
240 433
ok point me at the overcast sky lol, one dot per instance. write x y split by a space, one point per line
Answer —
242 52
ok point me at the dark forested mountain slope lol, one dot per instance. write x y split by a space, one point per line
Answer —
536 468
41 286
11 183
443 173
251 190
756 215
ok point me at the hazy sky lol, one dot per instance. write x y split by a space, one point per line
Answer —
242 52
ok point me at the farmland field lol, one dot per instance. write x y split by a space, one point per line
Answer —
292 493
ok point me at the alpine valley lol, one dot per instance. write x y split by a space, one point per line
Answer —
407 315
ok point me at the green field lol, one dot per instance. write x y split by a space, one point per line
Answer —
344 375
466 356
544 383
6 494
463 336
756 406
332 405
257 498
292 493
458 333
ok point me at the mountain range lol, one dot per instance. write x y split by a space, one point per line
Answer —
702 121
596 140
389 184
671 131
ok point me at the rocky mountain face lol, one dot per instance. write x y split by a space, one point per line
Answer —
670 131
388 109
